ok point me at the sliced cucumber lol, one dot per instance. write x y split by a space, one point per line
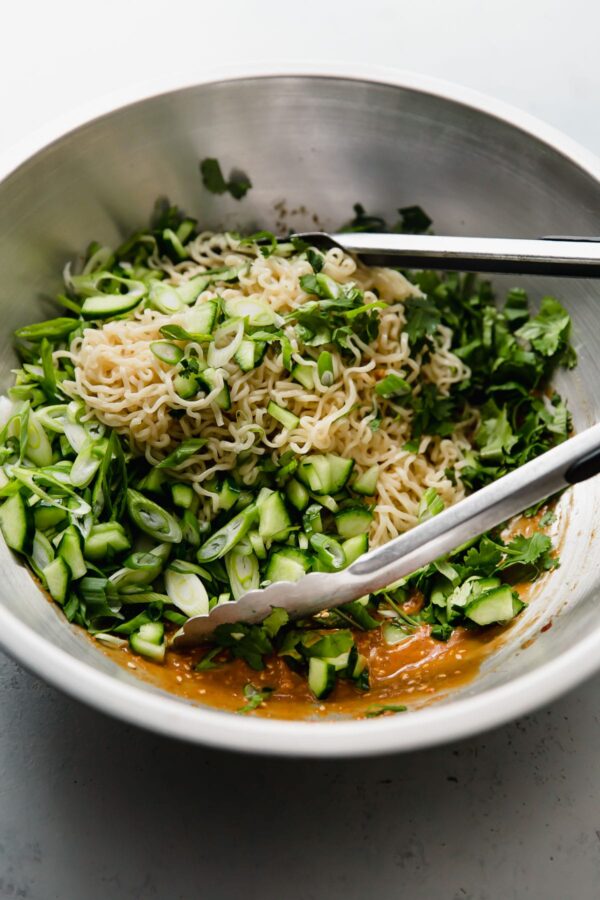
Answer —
257 311
297 494
70 550
355 547
366 482
274 520
321 677
105 540
46 517
187 592
325 474
353 520
246 355
185 386
200 320
183 495
210 379
287 564
106 306
498 605
228 495
58 579
304 375
149 641
282 415
16 522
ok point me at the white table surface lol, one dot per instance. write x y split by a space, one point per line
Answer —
91 809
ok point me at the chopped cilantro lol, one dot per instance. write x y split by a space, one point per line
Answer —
214 181
255 696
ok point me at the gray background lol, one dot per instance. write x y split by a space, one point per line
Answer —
90 808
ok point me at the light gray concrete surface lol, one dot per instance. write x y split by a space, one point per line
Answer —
91 809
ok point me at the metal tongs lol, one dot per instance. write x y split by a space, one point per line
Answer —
575 460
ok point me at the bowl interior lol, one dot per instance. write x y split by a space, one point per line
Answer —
313 147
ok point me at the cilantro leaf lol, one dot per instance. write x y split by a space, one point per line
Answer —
422 318
549 330
214 181
392 385
255 696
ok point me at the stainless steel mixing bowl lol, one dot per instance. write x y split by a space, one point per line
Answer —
313 144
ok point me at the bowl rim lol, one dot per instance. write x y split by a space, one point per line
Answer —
163 713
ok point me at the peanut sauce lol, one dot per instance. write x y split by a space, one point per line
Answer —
410 673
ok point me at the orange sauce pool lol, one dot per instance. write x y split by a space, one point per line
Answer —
410 673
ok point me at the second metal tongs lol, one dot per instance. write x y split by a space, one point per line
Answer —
553 255
575 460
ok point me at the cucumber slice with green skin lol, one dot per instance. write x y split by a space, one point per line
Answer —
325 474
353 520
70 550
46 517
245 356
340 470
16 522
149 641
274 520
257 311
153 481
190 290
228 495
187 592
304 375
152 518
105 306
282 415
242 568
354 547
105 540
321 677
222 541
496 606
183 495
483 585
287 564
58 579
297 494
394 634
165 298
366 483
210 380
311 520
328 551
199 322
185 386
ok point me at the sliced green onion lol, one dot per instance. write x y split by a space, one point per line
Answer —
167 352
185 451
222 541
152 518
53 330
287 418
242 568
328 550
187 592
218 356
325 368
